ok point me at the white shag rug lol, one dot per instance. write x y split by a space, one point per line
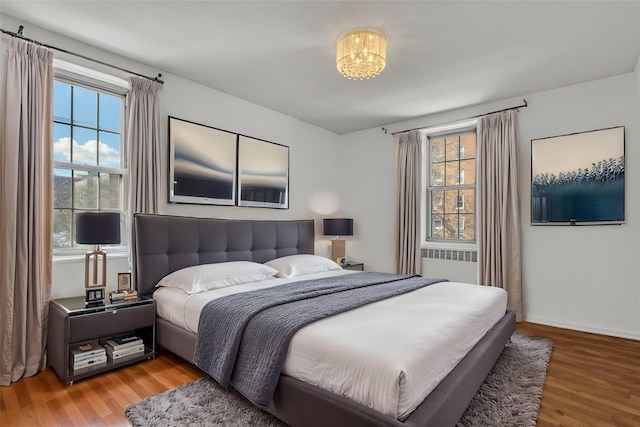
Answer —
509 397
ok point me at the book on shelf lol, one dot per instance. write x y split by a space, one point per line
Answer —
95 361
128 351
112 346
85 351
124 341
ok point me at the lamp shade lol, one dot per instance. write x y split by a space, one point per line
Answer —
98 228
338 226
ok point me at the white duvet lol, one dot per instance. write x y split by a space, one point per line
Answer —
387 355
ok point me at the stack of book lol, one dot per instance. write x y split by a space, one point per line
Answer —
85 355
119 347
117 297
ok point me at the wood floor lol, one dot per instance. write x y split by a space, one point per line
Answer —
593 380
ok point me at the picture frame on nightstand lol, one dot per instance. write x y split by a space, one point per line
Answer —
124 282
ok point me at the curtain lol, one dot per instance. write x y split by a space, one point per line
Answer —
499 258
143 145
26 217
409 170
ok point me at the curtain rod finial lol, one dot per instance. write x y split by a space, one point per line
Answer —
20 28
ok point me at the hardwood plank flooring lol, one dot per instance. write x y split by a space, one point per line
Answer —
593 380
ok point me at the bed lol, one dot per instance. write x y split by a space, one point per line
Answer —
164 244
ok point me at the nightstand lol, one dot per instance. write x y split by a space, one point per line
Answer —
359 266
72 322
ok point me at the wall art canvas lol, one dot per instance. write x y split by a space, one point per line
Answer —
263 173
202 164
578 178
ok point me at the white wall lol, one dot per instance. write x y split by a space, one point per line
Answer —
584 278
313 178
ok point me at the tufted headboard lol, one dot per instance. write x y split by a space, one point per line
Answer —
164 243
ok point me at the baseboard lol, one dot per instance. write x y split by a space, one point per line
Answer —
583 328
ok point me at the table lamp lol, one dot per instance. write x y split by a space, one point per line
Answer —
96 228
338 227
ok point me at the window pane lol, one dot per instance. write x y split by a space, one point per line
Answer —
450 227
450 201
110 191
469 226
85 190
109 150
85 107
469 168
468 141
85 150
437 201
61 143
437 174
110 112
469 200
62 236
62 188
451 150
437 150
437 226
61 102
451 170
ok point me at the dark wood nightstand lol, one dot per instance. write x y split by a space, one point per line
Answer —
71 323
358 266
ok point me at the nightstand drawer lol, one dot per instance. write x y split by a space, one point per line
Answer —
110 322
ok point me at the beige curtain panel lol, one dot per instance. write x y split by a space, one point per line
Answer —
499 257
26 220
143 145
409 198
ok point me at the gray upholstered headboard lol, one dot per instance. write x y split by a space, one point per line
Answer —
165 243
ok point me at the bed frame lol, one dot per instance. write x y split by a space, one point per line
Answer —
163 244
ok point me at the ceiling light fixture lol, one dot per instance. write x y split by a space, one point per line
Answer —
361 54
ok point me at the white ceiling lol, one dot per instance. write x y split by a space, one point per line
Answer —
442 55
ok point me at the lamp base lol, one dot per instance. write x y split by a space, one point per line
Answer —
94 257
337 249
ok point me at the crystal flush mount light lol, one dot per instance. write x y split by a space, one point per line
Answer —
361 54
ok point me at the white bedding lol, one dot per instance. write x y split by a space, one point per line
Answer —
361 354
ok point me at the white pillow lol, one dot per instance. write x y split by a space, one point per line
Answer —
300 265
205 277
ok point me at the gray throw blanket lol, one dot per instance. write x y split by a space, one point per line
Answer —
243 339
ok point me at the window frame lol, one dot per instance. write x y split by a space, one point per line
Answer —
459 128
92 80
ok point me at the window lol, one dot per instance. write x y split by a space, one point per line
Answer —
436 154
451 190
88 152
437 178
437 202
460 227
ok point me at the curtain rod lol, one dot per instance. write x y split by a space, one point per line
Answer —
524 105
20 36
